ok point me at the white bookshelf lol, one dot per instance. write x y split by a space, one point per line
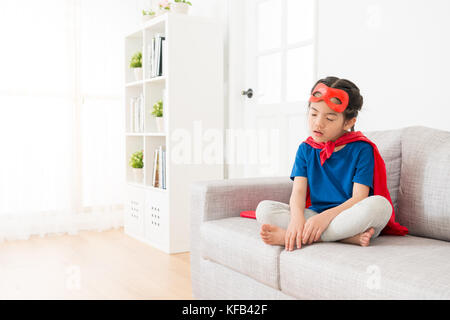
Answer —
193 84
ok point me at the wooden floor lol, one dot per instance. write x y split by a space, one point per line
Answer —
91 265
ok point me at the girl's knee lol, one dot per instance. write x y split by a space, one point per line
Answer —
262 210
263 205
273 212
384 206
380 206
377 201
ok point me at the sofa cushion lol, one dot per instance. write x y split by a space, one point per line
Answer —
424 195
392 267
219 282
236 243
388 143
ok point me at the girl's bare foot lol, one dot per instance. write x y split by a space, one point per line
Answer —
272 234
362 239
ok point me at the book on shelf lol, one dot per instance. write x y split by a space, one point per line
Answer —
131 124
152 50
137 115
149 58
159 168
135 112
155 57
163 49
141 112
156 50
158 55
163 170
155 179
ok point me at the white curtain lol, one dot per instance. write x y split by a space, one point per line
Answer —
62 165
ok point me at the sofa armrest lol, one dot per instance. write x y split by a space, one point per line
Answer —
217 199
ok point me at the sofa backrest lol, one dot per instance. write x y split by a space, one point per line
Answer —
424 194
388 143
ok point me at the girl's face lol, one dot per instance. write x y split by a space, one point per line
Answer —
325 124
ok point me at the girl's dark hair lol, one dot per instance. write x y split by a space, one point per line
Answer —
355 99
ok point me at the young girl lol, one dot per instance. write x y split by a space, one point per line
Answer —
339 191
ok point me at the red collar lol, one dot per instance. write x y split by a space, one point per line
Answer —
328 147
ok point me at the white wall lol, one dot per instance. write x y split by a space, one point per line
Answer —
396 52
206 8
218 10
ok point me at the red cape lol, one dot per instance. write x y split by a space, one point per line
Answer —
379 176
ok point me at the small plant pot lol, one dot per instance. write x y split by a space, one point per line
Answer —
138 74
159 124
138 175
180 7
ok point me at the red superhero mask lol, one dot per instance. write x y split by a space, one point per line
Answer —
324 92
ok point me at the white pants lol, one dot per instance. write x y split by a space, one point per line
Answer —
373 211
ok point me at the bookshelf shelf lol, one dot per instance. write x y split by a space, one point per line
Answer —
144 186
134 83
155 79
190 84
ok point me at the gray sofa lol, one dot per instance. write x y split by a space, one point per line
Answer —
230 261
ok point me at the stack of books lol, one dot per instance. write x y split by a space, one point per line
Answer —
159 168
155 50
137 114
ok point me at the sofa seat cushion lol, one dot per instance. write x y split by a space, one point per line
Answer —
235 243
392 267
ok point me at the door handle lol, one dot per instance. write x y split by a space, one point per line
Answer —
248 93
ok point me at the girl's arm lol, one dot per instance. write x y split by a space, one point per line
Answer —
297 204
297 201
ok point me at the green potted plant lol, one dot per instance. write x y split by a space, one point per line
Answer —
181 6
147 15
163 7
137 164
136 65
158 113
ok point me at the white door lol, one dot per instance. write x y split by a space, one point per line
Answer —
276 40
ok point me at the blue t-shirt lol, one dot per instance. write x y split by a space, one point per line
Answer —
332 184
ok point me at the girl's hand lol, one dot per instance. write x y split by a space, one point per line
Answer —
314 227
294 233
